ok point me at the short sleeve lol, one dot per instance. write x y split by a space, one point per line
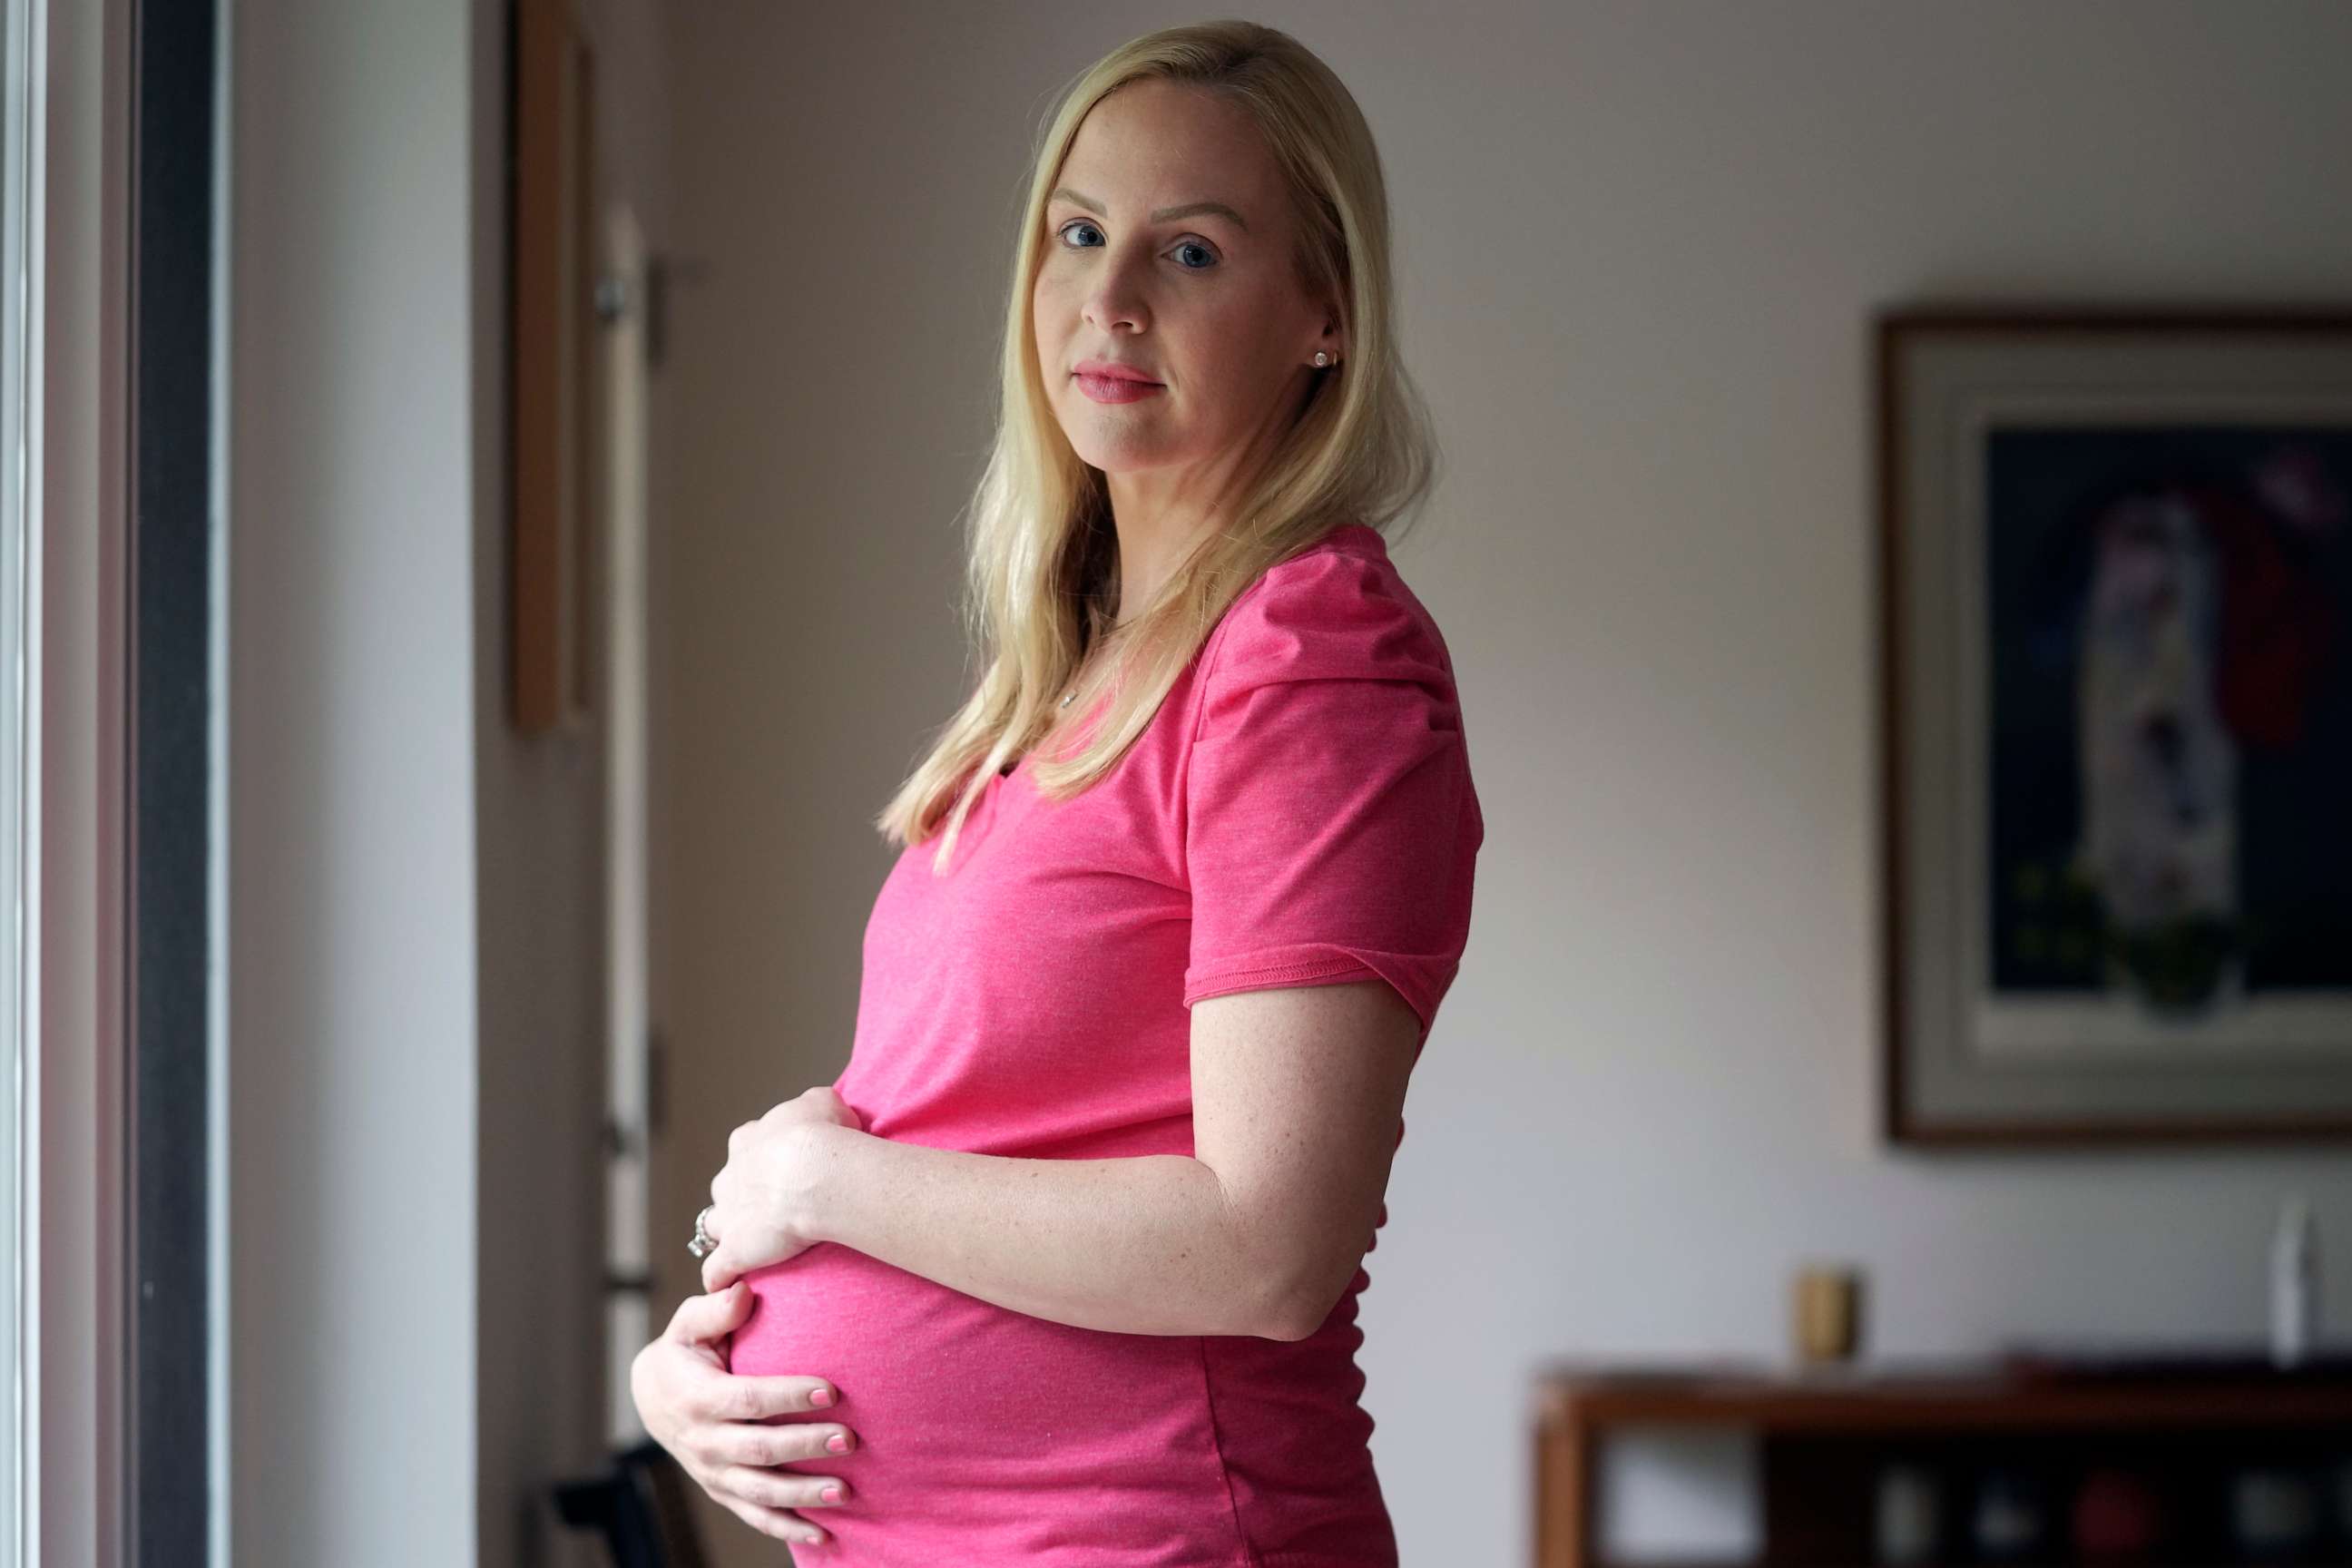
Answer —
1331 827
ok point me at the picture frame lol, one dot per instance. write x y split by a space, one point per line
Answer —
551 616
2115 584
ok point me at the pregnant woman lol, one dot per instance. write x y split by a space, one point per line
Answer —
1063 1270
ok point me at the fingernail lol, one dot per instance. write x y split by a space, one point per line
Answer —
831 1494
837 1443
822 1396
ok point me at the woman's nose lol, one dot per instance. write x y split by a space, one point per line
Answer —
1117 296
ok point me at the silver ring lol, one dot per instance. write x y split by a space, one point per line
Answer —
703 1244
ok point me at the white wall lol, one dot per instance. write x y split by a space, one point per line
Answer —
416 926
353 1003
1641 244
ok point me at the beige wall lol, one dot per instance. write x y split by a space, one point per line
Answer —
541 803
1640 246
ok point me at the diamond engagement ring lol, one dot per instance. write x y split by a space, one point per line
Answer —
704 1243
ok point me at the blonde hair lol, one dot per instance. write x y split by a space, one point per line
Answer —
1042 552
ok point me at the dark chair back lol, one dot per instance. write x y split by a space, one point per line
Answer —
642 1507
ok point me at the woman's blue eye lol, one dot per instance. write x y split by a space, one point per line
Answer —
1075 224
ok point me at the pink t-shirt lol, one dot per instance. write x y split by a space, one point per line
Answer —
1298 812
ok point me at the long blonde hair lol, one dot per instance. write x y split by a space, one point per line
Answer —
1042 552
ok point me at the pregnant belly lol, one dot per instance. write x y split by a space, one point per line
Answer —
979 1428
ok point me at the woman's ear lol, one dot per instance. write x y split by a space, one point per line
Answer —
1334 341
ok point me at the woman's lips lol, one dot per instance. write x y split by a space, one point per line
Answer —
1117 389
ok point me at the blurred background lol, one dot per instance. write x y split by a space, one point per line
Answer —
589 472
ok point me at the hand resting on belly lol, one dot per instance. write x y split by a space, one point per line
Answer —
716 1424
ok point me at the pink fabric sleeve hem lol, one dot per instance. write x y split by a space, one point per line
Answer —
1301 965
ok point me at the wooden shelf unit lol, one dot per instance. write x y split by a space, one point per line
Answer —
1823 1434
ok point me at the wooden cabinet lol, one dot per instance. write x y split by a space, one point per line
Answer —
2203 1438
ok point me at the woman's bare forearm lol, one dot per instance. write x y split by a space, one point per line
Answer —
1146 1244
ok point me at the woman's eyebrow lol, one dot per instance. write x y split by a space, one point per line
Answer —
1165 214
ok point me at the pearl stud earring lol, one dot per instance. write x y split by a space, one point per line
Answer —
1321 359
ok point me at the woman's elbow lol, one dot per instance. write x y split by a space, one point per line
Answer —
1313 1296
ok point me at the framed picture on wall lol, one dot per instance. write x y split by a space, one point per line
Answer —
550 619
2116 676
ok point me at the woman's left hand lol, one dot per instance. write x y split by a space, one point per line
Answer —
760 1210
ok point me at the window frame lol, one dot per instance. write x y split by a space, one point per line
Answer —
77 247
174 1103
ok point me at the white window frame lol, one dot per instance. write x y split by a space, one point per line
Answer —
77 471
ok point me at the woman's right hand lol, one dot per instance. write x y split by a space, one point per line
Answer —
710 1420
